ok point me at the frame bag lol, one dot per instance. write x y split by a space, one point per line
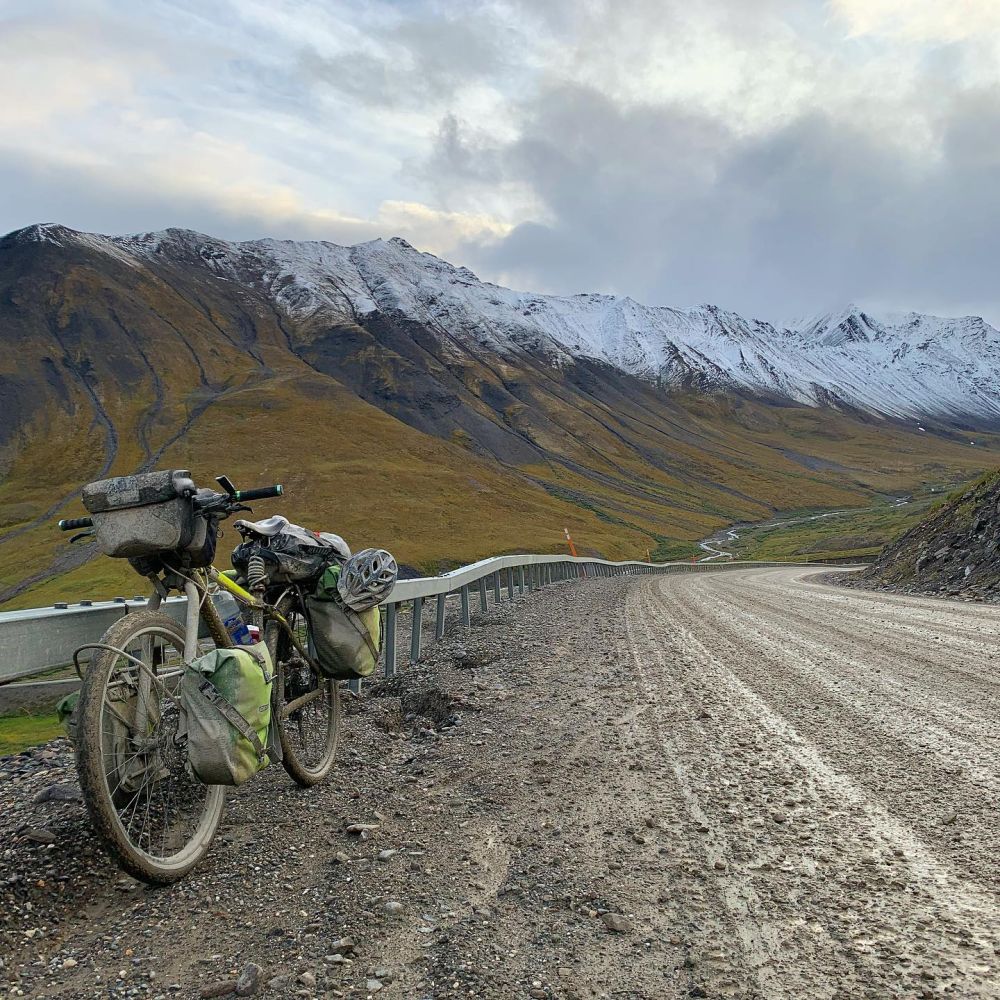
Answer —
346 643
226 714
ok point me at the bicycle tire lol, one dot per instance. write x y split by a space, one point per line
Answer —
306 765
95 732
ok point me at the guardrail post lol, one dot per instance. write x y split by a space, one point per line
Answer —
483 603
520 581
510 583
390 639
466 614
496 587
418 608
439 625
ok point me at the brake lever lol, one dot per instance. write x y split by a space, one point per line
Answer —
82 534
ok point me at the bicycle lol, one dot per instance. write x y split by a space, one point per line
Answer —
152 814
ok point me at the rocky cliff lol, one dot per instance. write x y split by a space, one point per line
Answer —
955 551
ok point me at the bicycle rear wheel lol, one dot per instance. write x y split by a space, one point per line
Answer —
155 818
307 706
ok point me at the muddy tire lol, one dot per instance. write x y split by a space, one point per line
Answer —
155 819
309 735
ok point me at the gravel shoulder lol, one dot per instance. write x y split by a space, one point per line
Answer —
744 784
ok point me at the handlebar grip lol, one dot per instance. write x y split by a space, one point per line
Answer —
264 493
71 524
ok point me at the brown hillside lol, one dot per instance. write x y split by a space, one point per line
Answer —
383 429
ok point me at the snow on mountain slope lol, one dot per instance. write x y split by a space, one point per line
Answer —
906 366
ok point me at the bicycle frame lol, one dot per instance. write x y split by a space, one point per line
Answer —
200 608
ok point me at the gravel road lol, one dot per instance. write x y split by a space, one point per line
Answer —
738 784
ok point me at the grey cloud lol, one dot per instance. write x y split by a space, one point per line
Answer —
90 200
415 61
676 208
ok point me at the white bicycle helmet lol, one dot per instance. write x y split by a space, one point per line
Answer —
367 579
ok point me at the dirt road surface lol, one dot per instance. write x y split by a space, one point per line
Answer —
736 784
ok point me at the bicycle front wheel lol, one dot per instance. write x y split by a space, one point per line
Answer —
306 707
155 818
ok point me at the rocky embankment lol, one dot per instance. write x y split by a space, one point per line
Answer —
955 551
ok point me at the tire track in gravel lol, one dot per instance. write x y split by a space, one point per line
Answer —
906 921
975 642
730 909
920 776
959 736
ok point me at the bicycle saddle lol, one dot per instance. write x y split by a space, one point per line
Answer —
268 527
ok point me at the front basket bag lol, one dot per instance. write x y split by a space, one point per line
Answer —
346 643
226 712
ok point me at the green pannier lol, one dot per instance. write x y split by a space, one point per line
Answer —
346 643
67 715
225 700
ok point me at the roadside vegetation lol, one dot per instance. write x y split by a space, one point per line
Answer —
27 730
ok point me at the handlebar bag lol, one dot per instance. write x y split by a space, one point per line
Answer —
225 700
346 643
143 514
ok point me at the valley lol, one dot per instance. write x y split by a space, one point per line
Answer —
832 534
403 402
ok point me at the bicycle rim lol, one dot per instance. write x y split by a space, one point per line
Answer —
309 734
156 817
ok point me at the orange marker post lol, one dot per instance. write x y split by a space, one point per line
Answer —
572 547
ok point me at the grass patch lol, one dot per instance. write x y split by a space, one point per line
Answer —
17 732
855 533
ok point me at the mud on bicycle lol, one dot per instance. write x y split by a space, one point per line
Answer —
154 816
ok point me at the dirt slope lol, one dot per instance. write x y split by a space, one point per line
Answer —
775 789
955 550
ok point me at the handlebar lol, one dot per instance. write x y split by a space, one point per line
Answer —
72 523
205 501
263 493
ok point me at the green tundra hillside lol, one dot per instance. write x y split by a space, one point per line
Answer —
381 428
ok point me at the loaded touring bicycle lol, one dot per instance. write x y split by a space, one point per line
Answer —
164 721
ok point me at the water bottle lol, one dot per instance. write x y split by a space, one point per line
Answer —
229 611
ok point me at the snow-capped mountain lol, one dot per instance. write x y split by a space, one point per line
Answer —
908 366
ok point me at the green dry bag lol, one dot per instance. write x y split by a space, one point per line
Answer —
226 713
346 643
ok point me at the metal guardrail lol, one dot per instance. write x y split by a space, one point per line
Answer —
37 640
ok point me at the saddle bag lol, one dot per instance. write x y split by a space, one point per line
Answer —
143 514
346 644
225 699
294 555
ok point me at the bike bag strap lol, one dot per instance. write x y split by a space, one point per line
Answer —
362 631
208 689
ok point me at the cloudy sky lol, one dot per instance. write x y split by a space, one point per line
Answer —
771 156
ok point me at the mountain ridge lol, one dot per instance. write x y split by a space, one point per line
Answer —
907 366
406 403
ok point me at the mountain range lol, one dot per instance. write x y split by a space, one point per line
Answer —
405 401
